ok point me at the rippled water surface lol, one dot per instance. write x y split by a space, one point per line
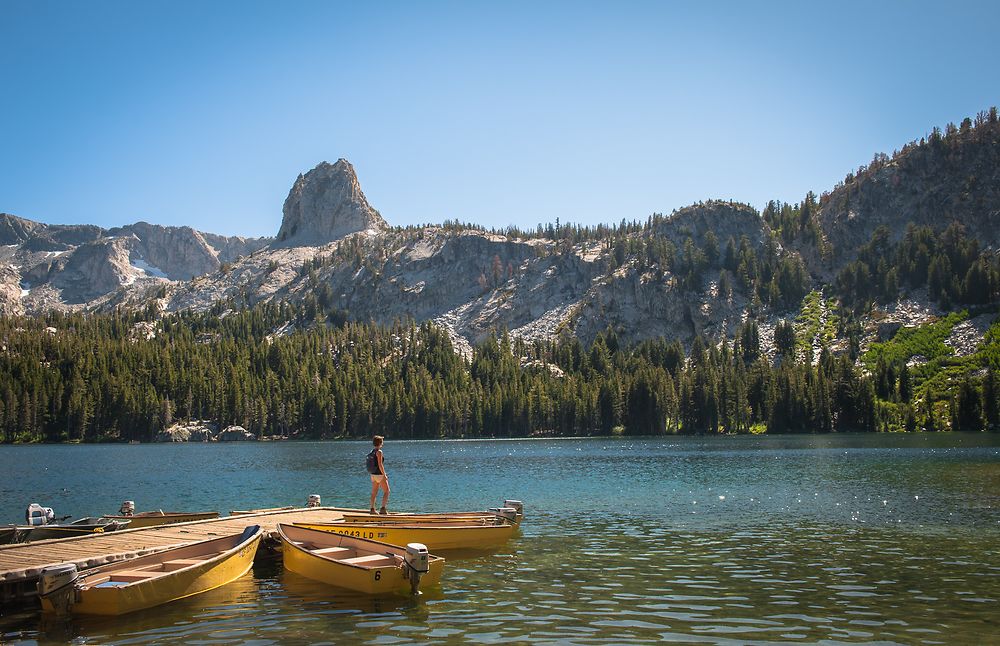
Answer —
834 539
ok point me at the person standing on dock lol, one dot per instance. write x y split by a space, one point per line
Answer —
376 468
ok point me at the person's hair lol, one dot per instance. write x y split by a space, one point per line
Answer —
377 440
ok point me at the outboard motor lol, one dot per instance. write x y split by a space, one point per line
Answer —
415 564
127 508
36 515
57 585
516 504
314 500
507 513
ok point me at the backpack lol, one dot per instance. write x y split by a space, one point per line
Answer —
371 462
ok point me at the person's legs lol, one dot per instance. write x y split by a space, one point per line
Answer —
385 493
375 488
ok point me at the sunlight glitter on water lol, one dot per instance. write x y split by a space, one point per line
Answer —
592 566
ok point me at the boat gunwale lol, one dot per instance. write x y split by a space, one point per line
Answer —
435 521
391 525
127 564
145 515
82 527
62 531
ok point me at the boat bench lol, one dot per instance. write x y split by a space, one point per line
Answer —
133 575
177 564
370 560
154 569
338 552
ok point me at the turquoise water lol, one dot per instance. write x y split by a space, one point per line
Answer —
801 539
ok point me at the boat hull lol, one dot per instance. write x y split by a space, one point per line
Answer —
388 579
460 518
153 519
8 534
436 537
29 533
121 588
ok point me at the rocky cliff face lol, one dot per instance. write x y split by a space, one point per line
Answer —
324 205
177 253
334 249
78 266
35 236
473 283
230 248
92 270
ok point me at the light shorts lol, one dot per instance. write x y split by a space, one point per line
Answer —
377 478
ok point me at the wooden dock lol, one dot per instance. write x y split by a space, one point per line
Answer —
21 563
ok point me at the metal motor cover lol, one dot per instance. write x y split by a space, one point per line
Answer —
508 513
417 557
516 504
54 577
36 515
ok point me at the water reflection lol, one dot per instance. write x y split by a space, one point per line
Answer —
806 540
329 599
591 583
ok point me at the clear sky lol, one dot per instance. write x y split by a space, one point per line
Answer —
203 113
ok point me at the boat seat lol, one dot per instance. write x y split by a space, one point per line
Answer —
371 559
148 568
133 575
339 552
177 564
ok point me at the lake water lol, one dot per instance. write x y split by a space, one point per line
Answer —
731 540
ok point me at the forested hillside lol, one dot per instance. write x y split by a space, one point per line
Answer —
121 377
872 307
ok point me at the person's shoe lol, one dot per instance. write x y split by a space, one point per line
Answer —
383 511
372 510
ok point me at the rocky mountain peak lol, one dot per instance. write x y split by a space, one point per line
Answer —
324 205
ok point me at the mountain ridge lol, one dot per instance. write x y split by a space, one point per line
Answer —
703 270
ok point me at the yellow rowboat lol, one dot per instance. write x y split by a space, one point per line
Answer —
470 518
149 581
152 518
512 511
81 527
357 564
7 534
436 536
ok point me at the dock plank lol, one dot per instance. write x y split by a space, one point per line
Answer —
21 563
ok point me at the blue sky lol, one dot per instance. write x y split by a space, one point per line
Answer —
203 113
